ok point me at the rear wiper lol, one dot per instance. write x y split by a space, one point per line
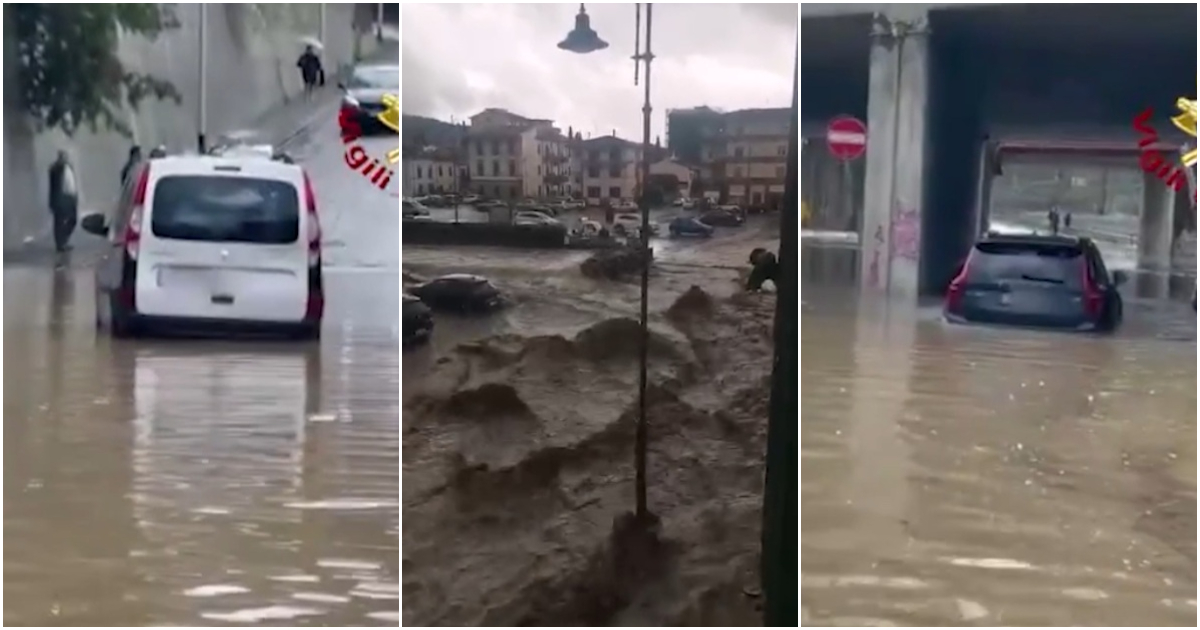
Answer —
1041 279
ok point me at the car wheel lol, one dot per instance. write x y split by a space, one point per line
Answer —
309 332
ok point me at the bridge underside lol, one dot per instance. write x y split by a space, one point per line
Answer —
935 84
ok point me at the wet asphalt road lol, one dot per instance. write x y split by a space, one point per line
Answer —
984 476
210 482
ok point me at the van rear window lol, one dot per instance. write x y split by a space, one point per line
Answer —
225 209
1049 262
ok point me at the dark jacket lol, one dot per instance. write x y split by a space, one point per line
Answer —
310 67
766 267
59 199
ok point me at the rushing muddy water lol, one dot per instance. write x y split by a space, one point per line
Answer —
518 445
956 475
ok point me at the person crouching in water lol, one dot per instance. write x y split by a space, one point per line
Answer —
64 200
311 71
766 267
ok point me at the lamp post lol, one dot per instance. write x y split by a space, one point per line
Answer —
202 103
582 39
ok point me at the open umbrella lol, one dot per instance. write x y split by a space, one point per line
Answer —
309 40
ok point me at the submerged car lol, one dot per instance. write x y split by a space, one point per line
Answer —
412 209
459 292
417 322
689 226
1037 281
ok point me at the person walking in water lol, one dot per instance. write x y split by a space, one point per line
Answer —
311 71
64 200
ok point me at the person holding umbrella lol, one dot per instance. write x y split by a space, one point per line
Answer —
311 70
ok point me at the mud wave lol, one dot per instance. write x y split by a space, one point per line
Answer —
518 454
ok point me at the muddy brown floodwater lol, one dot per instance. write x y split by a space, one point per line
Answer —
518 444
957 475
178 483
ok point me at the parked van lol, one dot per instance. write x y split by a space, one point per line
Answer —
211 242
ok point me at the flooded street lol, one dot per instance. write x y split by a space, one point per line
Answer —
189 482
518 442
962 475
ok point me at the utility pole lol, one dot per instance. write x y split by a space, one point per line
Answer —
379 22
202 110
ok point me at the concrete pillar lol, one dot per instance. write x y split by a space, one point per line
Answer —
897 110
1155 230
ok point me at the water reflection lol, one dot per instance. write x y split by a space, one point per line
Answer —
183 483
959 475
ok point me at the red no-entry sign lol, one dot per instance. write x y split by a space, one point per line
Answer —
846 137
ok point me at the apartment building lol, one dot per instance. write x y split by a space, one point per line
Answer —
610 169
747 155
513 157
743 153
428 171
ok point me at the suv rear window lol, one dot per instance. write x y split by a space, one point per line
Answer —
1051 262
226 209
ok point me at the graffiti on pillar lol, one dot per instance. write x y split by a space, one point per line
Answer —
880 243
906 234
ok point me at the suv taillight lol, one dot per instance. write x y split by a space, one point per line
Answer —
954 294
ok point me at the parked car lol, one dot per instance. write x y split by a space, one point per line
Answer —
471 199
625 205
723 218
459 292
1037 281
417 321
412 209
202 243
689 226
533 217
538 207
362 99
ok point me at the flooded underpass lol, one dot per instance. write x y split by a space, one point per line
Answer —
518 442
963 475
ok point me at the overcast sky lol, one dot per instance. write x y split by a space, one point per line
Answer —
461 58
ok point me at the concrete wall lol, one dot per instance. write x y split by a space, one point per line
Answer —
251 52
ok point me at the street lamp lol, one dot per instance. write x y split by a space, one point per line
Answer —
582 39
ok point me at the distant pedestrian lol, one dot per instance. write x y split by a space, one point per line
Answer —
1052 218
1067 221
135 156
64 200
311 71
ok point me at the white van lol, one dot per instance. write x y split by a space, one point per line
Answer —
211 242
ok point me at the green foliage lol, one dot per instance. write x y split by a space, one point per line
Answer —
68 72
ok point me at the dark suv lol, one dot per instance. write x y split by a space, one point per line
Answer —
1036 281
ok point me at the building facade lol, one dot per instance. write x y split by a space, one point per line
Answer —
512 157
610 169
743 153
428 172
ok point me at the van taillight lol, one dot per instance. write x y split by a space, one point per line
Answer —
314 224
1093 299
314 308
132 238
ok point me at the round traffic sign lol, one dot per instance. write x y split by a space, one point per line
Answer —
846 137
